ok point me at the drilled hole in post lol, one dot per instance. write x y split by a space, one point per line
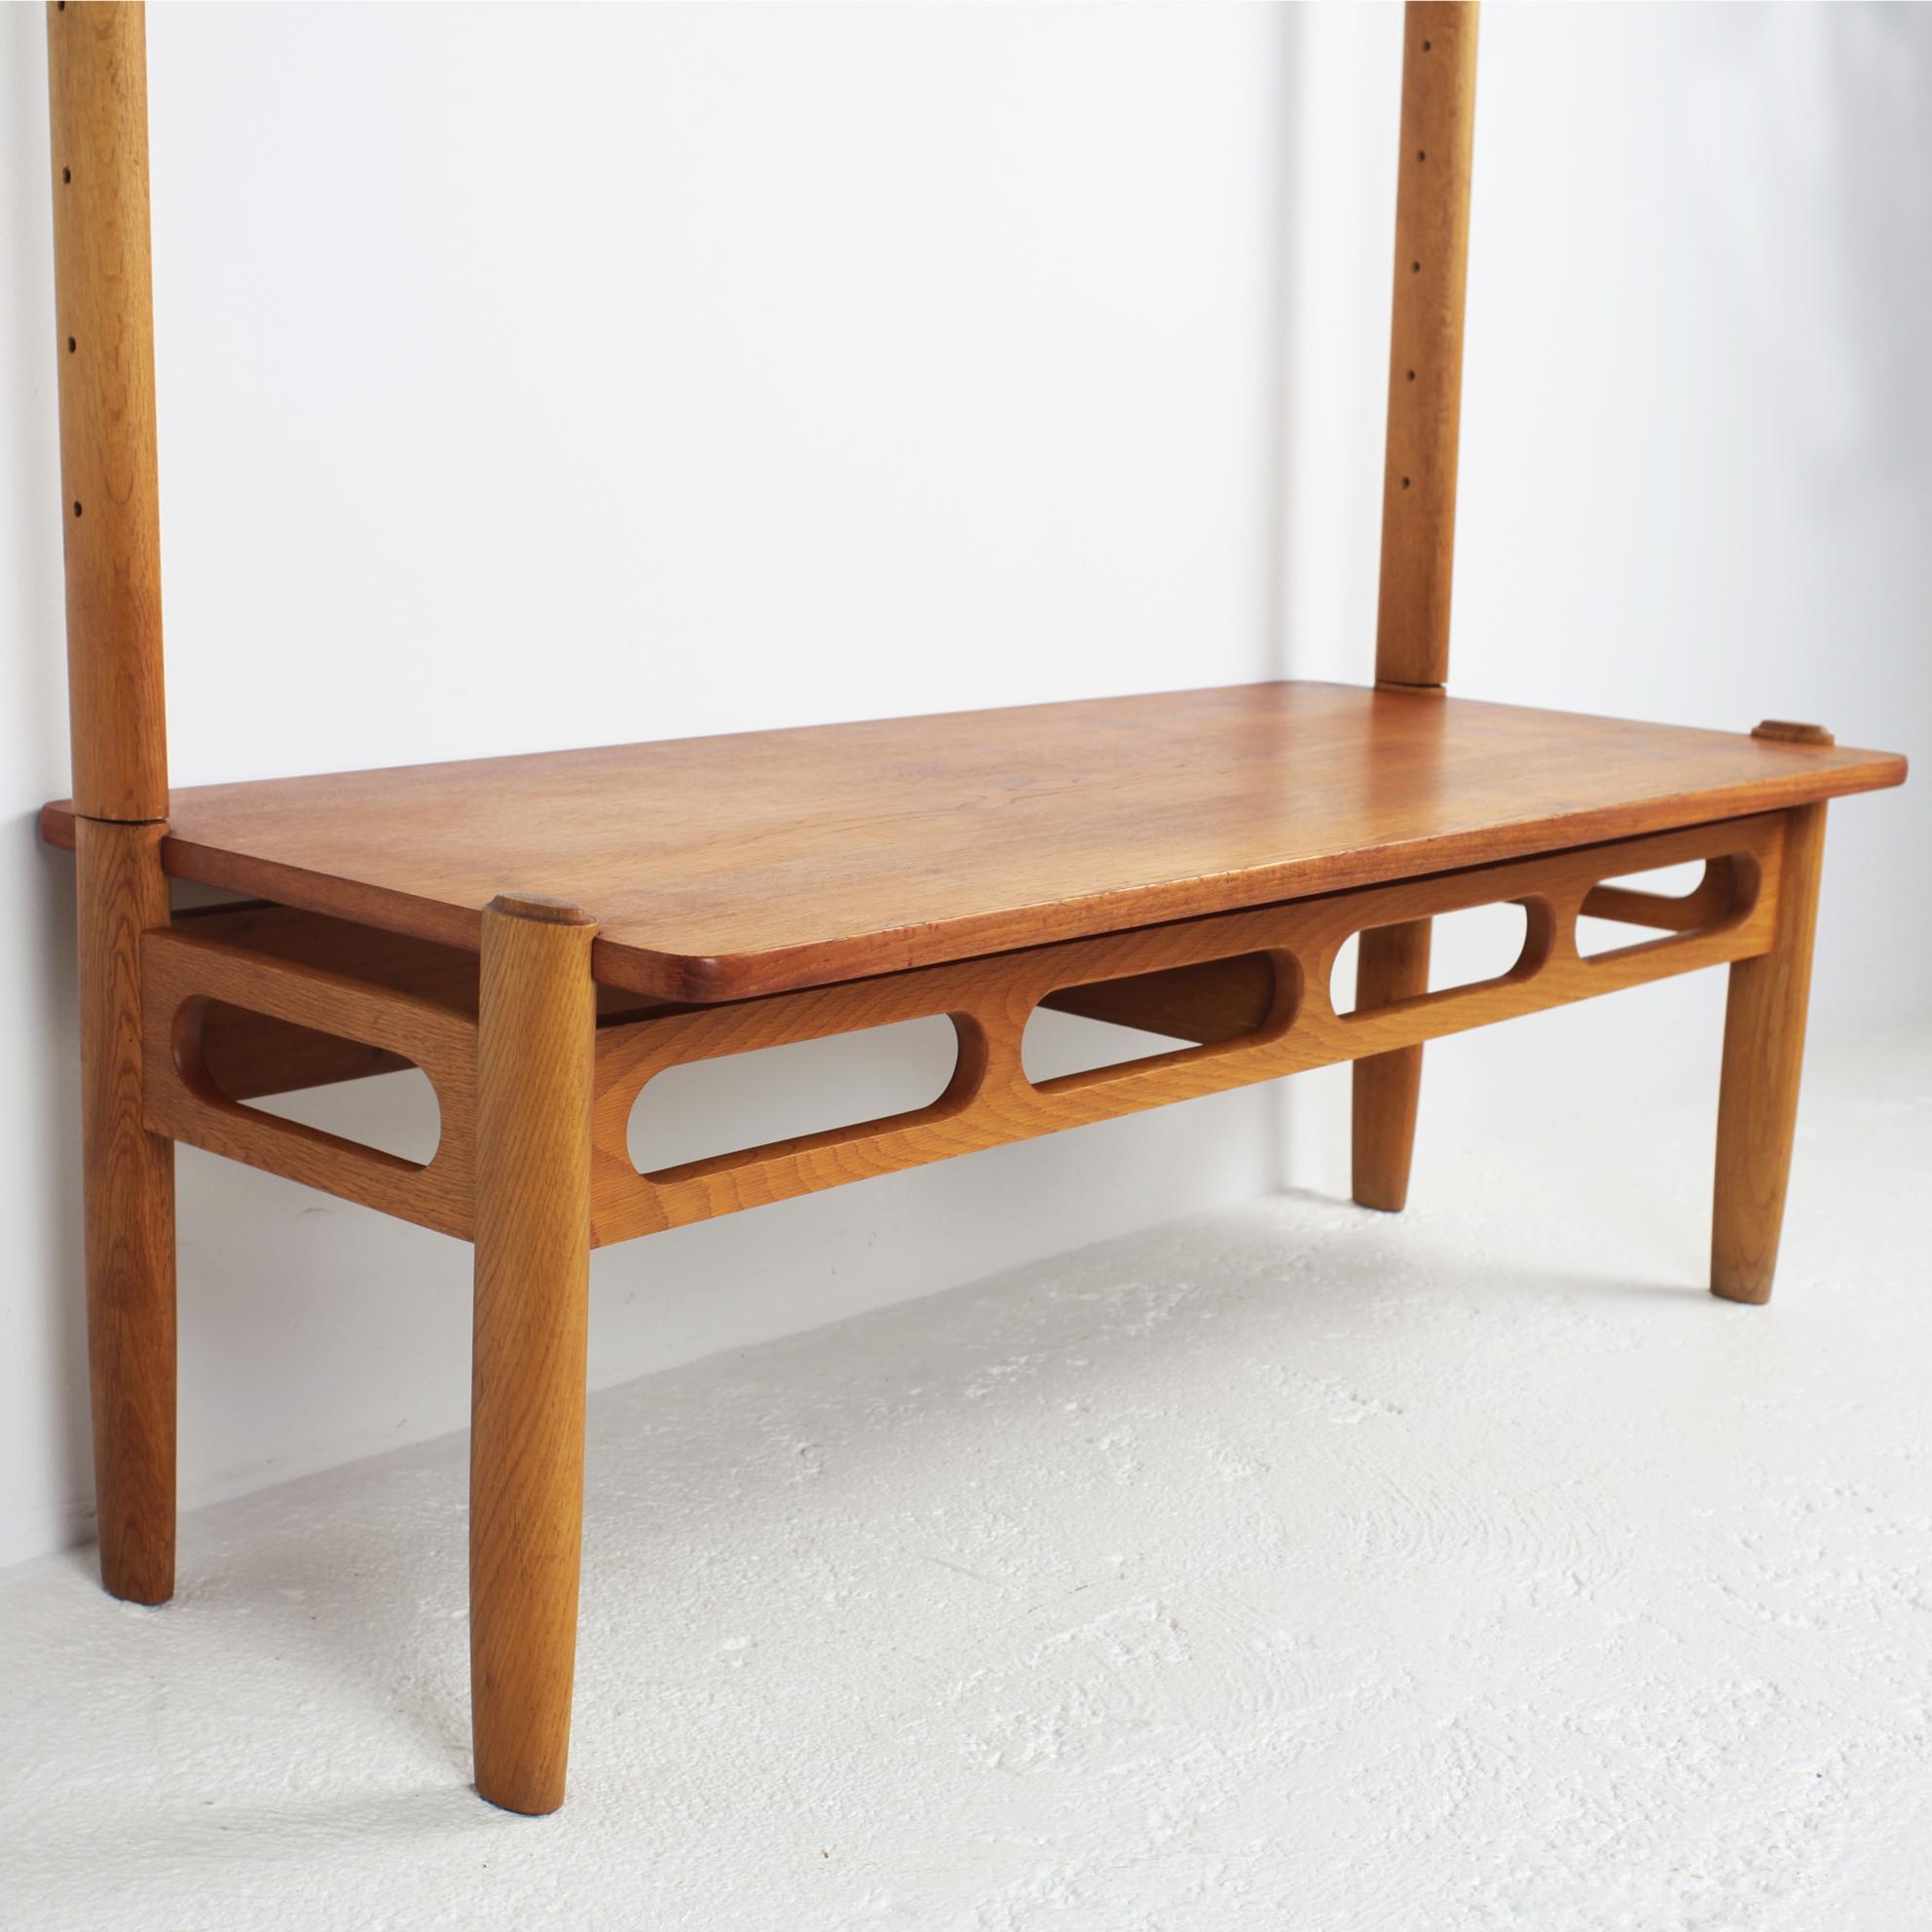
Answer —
67 174
1422 154
1426 46
70 344
77 509
1412 375
1405 482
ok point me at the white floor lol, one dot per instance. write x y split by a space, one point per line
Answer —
1290 1568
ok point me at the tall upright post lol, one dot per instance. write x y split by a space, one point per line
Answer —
1418 509
96 60
109 512
1426 343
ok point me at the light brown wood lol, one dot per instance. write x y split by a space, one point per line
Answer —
97 119
1765 1014
250 1056
1392 964
181 971
1418 509
991 1100
1426 342
1764 1055
1220 1000
724 868
97 96
536 1029
1625 905
1224 1000
1215 979
127 1181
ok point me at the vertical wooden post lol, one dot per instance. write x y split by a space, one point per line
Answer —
1391 963
535 1045
1764 1055
1418 508
1426 343
127 1189
96 61
104 350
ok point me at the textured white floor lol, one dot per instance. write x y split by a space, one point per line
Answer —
1290 1568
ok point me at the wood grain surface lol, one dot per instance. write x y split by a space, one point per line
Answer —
1763 1057
181 972
1220 999
128 1173
109 507
723 868
535 1047
1426 342
1225 980
1385 1089
989 1100
251 1054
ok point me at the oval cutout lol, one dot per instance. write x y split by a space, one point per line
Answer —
703 1108
356 1092
1472 947
1103 1023
1639 909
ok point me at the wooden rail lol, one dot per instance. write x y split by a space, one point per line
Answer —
991 1100
1255 1001
181 974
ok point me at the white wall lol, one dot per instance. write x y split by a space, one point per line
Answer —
567 375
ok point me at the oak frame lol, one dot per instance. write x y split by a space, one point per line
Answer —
1238 1032
186 1018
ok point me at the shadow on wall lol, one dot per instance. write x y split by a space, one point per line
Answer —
45 1328
52 1209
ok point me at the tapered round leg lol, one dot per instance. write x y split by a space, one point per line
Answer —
535 1046
127 1181
1764 1055
1390 964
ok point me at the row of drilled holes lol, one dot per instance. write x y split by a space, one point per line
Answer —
1415 268
718 1106
67 181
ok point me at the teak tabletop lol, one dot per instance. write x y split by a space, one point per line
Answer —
727 867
